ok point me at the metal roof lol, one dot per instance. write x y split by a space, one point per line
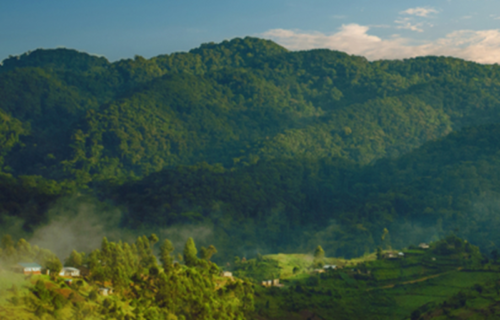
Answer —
30 265
69 269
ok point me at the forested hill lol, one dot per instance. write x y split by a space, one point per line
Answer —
267 146
445 186
70 115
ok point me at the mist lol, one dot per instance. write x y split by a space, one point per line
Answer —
80 223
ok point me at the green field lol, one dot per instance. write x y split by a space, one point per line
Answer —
383 288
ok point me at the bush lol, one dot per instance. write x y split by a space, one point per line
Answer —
312 281
93 295
415 315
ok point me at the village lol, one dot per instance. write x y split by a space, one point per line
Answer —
69 274
328 269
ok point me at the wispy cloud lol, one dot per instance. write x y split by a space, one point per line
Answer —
383 26
419 11
406 23
480 46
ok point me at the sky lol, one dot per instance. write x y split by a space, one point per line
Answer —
383 29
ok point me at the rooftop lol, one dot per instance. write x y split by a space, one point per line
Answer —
29 265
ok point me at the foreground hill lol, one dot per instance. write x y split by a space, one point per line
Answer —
123 280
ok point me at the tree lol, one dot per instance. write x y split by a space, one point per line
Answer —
24 250
166 250
7 245
7 241
190 253
207 253
75 259
319 254
153 238
386 239
495 255
54 265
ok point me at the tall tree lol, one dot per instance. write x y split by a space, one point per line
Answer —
166 250
207 253
190 253
319 255
75 259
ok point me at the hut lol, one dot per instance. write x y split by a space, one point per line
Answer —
28 268
105 291
267 283
423 246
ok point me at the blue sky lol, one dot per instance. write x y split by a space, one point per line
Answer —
376 29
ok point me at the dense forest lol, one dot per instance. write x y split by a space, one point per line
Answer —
271 150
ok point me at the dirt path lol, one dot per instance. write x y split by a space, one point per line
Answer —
416 280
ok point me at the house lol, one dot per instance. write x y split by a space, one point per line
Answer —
276 283
319 270
393 255
28 268
267 283
272 283
105 291
423 246
69 272
227 274
327 267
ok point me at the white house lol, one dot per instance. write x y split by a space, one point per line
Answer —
105 291
69 272
329 267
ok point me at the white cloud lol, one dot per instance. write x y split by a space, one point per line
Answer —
480 46
405 23
419 11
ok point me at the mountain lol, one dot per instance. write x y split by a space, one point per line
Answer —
272 150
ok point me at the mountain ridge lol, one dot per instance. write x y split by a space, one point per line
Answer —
283 145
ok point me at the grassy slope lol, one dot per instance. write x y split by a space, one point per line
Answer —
372 289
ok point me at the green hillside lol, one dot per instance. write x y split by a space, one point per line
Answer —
121 281
90 119
127 281
451 274
271 150
444 186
